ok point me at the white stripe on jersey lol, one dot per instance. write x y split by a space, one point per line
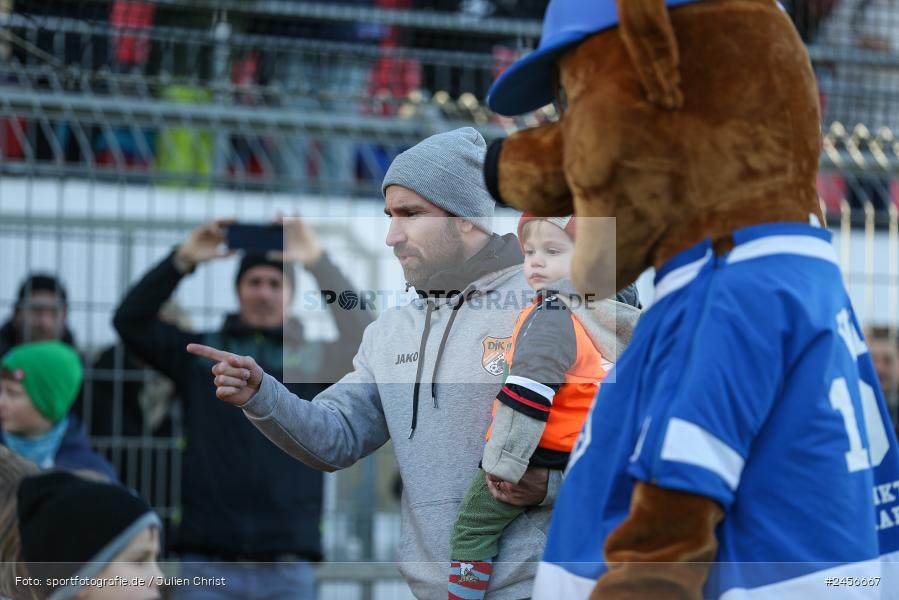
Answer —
535 386
803 245
680 277
554 582
689 443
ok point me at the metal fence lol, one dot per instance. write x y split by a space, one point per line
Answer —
241 99
243 95
125 122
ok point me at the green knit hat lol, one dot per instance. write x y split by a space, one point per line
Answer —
52 375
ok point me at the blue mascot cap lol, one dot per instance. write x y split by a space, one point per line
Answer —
528 83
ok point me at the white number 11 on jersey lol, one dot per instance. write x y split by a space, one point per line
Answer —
859 457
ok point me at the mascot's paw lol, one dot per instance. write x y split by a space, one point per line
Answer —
663 548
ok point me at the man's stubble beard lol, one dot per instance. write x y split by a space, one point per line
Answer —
448 252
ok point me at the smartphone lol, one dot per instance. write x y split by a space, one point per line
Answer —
255 238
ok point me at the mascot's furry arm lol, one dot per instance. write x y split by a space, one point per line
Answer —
663 549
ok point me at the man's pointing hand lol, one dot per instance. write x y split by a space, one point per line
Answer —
237 378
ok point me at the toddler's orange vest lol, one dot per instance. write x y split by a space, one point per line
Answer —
574 397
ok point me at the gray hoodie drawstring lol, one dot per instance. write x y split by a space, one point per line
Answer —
449 325
421 355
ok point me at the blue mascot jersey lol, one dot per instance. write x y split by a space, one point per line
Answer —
748 382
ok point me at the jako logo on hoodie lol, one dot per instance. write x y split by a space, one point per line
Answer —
406 358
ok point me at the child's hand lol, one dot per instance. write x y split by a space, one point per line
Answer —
530 491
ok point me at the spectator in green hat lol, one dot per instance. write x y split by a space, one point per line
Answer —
38 385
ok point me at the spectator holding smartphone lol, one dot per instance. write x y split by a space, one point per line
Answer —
243 499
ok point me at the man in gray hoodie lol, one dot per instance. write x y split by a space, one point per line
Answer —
426 373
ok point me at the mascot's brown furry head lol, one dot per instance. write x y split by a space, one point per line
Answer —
683 120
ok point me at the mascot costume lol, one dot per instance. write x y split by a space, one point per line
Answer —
745 449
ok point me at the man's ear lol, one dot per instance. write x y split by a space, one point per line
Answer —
463 226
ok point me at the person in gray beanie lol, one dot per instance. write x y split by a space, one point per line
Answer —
438 179
426 373
446 169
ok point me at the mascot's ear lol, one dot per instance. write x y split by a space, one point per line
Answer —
647 34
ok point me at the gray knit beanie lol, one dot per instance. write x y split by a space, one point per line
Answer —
447 170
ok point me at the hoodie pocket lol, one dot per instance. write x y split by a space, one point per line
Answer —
530 528
426 530
423 551
520 550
